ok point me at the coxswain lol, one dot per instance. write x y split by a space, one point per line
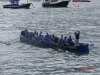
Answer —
77 36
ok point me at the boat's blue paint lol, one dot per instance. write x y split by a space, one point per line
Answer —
17 6
12 5
82 48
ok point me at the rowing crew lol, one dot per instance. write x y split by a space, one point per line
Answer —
49 38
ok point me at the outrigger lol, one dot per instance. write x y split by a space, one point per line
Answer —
31 38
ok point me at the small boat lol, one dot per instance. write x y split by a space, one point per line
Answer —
55 3
81 0
15 4
80 49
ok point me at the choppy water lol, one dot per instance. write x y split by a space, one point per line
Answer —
18 58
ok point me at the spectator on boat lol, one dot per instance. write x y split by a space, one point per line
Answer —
40 36
77 35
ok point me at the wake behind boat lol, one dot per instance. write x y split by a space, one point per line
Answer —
15 4
55 3
51 41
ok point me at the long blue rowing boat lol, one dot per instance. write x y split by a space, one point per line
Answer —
81 48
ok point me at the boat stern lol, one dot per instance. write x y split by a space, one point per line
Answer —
83 48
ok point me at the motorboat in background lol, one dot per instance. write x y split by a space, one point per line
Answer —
55 3
15 4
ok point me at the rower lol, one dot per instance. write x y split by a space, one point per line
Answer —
27 34
77 34
56 40
40 36
36 36
65 40
69 40
47 37
52 37
61 39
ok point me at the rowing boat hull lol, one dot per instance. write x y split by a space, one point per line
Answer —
83 48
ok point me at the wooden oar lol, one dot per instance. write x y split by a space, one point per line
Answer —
92 51
53 45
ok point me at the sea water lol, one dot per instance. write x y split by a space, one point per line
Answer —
18 58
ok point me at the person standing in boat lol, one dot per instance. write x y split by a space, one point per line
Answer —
77 36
